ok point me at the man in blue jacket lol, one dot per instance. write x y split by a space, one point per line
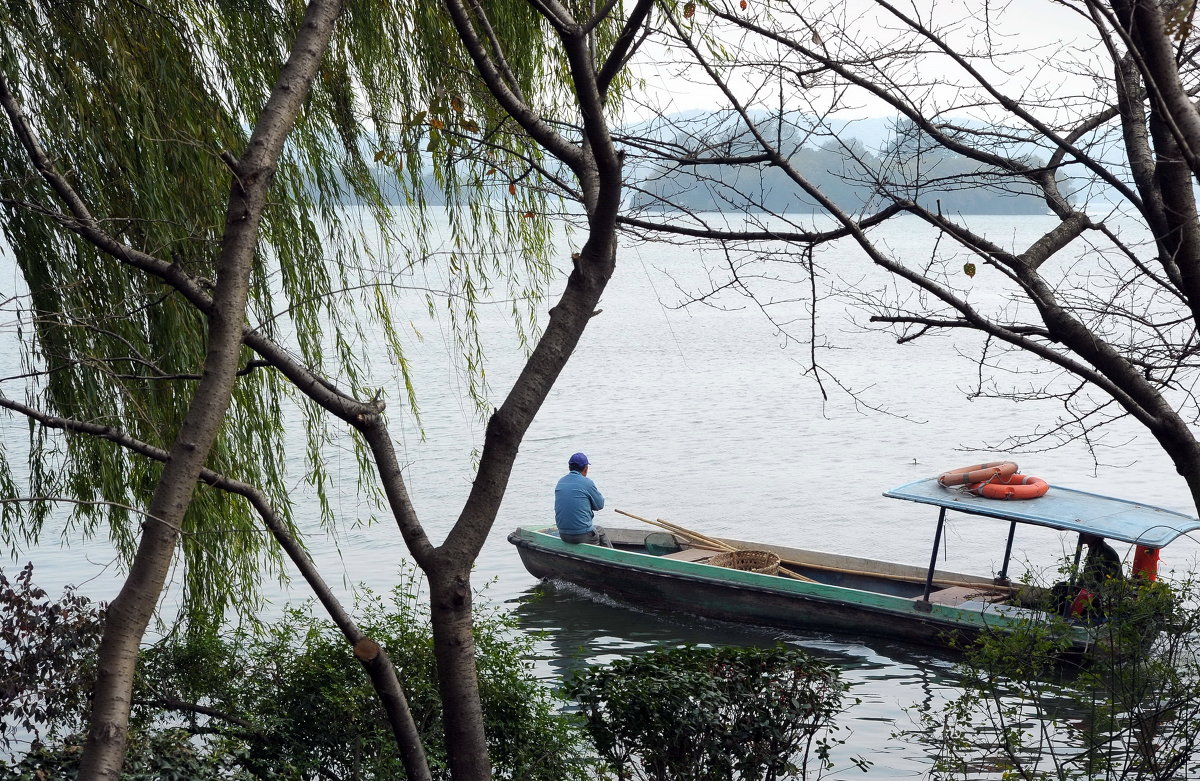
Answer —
576 500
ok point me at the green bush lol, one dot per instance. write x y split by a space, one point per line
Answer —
47 647
290 702
316 715
712 714
1129 710
162 755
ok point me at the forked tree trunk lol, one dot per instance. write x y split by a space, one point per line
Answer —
597 164
448 569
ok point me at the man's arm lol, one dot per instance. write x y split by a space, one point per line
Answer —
594 495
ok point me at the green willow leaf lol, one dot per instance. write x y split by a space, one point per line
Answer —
138 104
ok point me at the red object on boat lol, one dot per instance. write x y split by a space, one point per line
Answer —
1082 600
1145 562
1012 487
977 473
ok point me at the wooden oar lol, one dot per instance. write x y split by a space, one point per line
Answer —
866 573
721 545
896 576
702 537
708 542
724 546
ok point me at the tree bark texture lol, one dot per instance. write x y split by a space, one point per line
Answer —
1167 183
458 680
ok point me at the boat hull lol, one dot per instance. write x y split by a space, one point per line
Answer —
730 595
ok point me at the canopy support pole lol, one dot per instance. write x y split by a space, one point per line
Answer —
1003 577
937 544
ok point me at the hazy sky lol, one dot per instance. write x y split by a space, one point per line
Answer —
1045 45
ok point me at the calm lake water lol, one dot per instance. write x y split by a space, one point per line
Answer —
704 415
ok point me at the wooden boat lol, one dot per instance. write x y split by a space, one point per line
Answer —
846 593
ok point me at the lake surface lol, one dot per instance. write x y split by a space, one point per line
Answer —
704 415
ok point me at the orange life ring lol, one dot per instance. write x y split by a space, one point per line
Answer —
1011 487
977 473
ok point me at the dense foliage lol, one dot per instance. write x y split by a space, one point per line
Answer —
46 651
292 703
1131 710
712 714
163 755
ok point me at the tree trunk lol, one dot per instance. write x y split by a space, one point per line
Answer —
458 680
130 612
597 165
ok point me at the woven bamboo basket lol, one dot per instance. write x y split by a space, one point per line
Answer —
760 561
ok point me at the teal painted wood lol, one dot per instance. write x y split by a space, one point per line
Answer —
1062 508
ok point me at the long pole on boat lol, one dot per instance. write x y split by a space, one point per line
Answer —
699 540
720 545
675 528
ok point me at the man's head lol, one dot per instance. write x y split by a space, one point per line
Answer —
578 463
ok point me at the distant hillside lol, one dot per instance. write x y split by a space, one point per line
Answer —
852 170
852 164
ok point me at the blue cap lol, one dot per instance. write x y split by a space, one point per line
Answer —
578 461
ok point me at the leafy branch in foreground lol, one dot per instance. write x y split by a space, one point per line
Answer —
46 658
291 702
1131 711
714 714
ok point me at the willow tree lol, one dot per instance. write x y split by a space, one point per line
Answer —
1083 110
123 187
203 409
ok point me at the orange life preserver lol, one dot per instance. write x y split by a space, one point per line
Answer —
977 473
1011 487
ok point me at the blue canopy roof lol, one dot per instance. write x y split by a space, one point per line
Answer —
1062 508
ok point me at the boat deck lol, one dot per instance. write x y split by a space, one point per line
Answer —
957 595
691 554
941 595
